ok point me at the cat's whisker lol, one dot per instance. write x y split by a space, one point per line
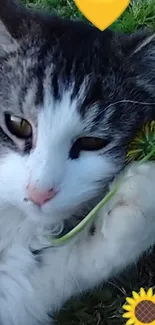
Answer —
126 101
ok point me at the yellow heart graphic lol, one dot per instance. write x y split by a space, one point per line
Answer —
102 13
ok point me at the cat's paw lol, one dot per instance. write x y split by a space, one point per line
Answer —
131 212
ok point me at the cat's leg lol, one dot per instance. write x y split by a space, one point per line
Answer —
19 302
126 229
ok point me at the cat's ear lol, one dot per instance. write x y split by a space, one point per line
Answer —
14 25
147 42
137 42
7 43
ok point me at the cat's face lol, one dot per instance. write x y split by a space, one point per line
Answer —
65 115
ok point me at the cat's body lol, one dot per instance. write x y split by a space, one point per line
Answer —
71 98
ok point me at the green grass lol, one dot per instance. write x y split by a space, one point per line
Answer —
65 8
139 13
103 306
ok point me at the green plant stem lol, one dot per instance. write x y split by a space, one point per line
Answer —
64 239
86 220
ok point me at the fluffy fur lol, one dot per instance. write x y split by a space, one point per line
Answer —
69 80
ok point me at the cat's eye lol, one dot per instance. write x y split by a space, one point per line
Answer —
87 144
19 127
91 143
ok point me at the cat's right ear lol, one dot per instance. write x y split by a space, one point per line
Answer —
14 25
7 43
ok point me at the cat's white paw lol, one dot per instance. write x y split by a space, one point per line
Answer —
131 212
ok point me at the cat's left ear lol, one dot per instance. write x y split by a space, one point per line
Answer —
15 24
138 41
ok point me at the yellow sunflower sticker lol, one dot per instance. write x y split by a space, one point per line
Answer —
140 309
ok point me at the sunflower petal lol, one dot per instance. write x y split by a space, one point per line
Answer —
127 307
142 293
130 322
127 315
150 293
135 295
130 300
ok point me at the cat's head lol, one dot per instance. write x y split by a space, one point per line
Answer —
68 106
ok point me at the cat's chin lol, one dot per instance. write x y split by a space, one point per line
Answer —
58 222
55 215
53 220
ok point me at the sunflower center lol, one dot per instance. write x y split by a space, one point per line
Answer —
145 312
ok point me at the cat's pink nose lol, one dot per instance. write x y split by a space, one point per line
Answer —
40 197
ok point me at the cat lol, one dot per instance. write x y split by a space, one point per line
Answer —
71 99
